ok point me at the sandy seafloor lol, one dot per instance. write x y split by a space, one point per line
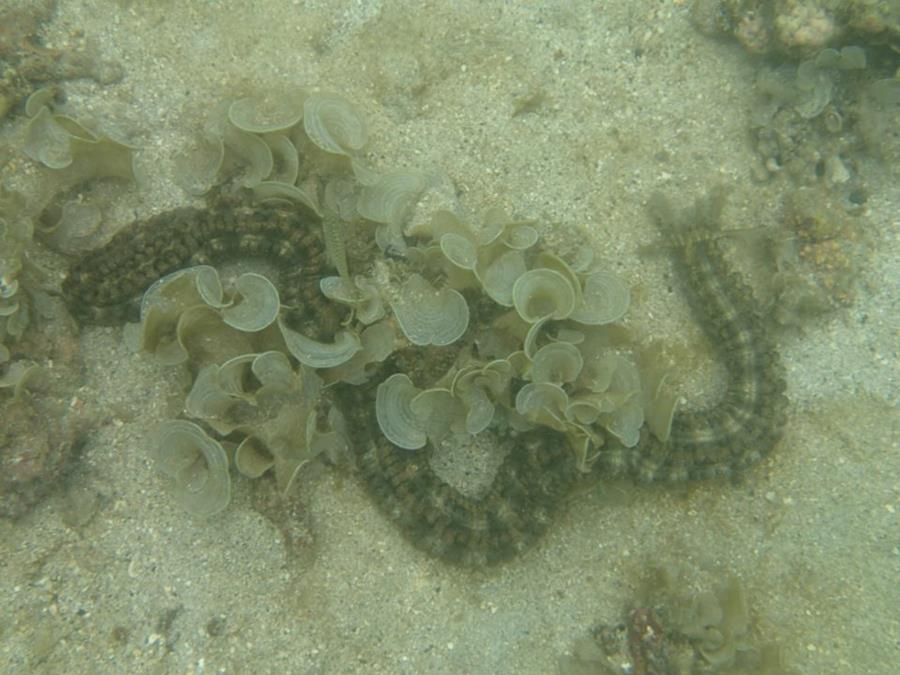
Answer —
812 532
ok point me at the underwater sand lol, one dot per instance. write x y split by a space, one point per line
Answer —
634 100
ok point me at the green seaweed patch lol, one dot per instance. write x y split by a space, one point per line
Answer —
285 160
543 294
172 308
360 293
21 282
333 124
254 304
410 417
188 315
568 381
199 164
557 362
604 299
15 376
501 258
677 629
428 316
274 407
70 225
388 200
659 399
481 388
400 424
378 342
74 154
269 112
543 359
66 145
257 142
249 152
196 466
256 380
557 369
317 354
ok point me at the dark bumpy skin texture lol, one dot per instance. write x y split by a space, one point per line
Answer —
747 422
102 286
529 488
539 471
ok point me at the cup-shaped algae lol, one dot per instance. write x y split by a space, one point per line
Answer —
543 293
428 316
333 124
605 299
400 425
196 465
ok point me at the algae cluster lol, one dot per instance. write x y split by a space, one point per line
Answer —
677 629
813 118
16 232
545 361
813 126
71 154
38 361
818 262
525 334
828 90
829 86
244 385
828 102
23 292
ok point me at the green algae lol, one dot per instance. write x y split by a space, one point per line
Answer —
268 113
196 465
429 316
333 124
678 628
254 304
544 361
66 145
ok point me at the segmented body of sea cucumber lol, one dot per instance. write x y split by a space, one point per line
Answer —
535 477
747 422
101 287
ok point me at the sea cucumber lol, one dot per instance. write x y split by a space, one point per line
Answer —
101 287
536 476
747 422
